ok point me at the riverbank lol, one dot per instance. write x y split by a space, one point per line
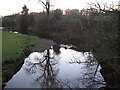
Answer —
15 48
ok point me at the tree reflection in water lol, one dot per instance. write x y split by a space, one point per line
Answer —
46 64
92 67
59 68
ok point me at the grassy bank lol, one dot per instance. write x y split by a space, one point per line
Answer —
14 46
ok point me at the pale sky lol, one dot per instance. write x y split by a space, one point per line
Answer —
8 7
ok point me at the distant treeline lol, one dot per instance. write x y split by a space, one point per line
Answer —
88 28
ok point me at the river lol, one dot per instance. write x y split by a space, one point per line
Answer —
58 67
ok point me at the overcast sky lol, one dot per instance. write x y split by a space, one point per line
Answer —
15 6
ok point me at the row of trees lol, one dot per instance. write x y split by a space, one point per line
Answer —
94 28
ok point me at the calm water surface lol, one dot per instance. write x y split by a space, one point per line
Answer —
58 68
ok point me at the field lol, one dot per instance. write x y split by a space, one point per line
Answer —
14 45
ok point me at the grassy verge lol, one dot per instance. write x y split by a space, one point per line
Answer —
14 46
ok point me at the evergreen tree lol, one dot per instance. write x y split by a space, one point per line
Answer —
24 20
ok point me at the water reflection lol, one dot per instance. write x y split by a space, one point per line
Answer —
58 68
48 70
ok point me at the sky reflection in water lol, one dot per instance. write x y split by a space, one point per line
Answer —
66 68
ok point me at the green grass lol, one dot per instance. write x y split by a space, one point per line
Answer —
13 45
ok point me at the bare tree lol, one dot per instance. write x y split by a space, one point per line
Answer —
102 8
46 5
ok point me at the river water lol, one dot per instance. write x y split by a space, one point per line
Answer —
58 67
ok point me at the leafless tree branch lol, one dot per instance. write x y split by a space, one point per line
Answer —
42 2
